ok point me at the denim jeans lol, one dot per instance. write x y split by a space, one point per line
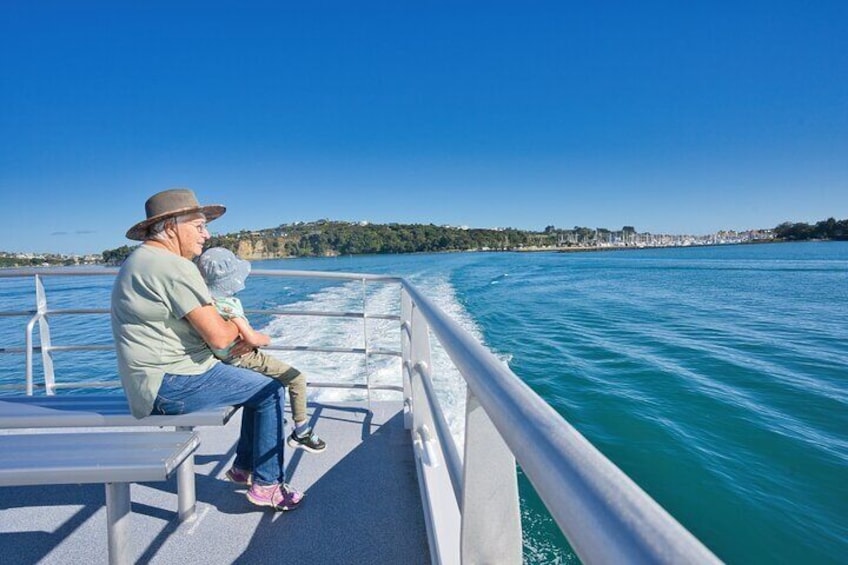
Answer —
260 447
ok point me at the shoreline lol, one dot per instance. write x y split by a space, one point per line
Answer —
574 249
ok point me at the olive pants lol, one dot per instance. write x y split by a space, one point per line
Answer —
290 377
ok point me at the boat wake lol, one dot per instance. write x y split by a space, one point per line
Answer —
351 368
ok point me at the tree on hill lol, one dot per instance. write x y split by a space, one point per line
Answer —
825 229
117 256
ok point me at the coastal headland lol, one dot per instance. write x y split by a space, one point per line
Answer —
325 238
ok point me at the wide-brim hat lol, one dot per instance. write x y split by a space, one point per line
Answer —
224 273
170 203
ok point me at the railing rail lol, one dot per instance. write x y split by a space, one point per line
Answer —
606 517
47 348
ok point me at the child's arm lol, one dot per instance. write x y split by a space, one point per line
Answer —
248 334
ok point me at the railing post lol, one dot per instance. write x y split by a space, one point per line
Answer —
441 511
419 354
406 355
28 347
365 339
490 488
44 337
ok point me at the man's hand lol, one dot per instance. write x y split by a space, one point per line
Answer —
248 334
240 347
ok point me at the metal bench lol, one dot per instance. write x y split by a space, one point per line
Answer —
113 458
95 410
105 410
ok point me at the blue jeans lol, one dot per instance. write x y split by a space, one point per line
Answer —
260 447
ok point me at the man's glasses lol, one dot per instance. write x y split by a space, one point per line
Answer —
201 228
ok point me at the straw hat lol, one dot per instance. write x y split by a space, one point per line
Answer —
170 203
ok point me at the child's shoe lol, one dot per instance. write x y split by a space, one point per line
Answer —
308 441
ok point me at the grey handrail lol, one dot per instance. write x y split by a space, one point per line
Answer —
606 517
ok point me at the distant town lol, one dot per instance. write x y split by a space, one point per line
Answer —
629 237
333 238
9 259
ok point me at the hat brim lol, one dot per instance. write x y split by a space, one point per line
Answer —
139 231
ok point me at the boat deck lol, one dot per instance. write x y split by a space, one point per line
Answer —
362 504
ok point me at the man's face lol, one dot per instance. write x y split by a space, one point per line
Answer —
192 234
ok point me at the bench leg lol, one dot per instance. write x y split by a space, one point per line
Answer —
186 499
117 521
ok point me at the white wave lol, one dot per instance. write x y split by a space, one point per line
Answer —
381 334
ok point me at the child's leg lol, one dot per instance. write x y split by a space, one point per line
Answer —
296 383
302 437
287 375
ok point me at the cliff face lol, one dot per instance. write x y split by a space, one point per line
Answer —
255 249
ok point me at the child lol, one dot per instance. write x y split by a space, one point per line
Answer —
225 275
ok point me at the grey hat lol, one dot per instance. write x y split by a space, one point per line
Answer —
224 272
170 203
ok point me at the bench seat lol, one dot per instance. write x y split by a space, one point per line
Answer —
92 457
115 459
95 410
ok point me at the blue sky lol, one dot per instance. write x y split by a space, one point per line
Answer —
676 117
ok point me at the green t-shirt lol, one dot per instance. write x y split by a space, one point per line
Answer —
153 292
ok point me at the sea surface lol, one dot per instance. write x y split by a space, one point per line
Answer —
715 377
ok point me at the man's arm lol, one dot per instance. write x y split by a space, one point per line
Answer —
215 330
250 335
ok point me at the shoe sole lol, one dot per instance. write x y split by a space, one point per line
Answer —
296 445
267 504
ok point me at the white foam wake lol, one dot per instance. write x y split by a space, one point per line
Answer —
381 334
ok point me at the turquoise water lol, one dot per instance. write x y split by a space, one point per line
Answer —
715 377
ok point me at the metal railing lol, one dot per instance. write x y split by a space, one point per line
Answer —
604 515
46 348
471 503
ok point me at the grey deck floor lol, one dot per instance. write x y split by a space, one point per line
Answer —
362 505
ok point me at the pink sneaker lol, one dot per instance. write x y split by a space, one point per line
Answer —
279 497
239 476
